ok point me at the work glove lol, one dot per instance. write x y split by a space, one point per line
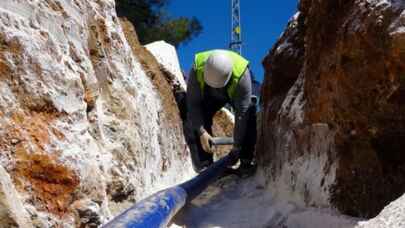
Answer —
206 142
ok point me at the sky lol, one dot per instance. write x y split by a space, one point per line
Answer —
262 23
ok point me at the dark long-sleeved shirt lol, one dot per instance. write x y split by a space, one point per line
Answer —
240 103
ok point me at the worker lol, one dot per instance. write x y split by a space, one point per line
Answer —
220 77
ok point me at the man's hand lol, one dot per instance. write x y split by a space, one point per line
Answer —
206 142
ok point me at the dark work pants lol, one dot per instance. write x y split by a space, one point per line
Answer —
210 107
249 142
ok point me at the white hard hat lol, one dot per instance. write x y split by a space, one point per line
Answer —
218 69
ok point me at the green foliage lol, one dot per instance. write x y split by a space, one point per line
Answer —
152 23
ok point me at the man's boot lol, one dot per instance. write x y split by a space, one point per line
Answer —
246 168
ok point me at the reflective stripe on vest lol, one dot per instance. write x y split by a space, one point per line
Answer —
239 67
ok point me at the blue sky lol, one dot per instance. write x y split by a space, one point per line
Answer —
262 24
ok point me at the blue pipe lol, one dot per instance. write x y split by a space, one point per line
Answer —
198 184
157 210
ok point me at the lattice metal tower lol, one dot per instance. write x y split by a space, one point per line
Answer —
236 37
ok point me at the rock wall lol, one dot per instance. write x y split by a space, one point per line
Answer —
85 131
333 123
392 216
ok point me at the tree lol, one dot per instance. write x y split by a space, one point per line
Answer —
153 23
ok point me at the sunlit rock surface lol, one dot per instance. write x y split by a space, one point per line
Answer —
168 60
84 130
392 216
333 123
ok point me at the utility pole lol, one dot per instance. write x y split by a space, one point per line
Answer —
236 33
236 41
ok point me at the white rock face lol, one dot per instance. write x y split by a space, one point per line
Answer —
392 216
12 212
305 142
167 57
82 126
305 173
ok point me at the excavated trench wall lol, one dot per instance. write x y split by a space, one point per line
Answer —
89 122
333 124
86 129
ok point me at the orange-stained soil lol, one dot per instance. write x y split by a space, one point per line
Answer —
51 184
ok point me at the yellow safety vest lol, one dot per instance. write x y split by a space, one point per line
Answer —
239 67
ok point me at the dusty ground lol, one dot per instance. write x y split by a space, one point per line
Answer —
245 203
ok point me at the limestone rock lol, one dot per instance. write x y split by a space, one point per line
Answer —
166 55
333 128
12 212
87 213
392 216
81 119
